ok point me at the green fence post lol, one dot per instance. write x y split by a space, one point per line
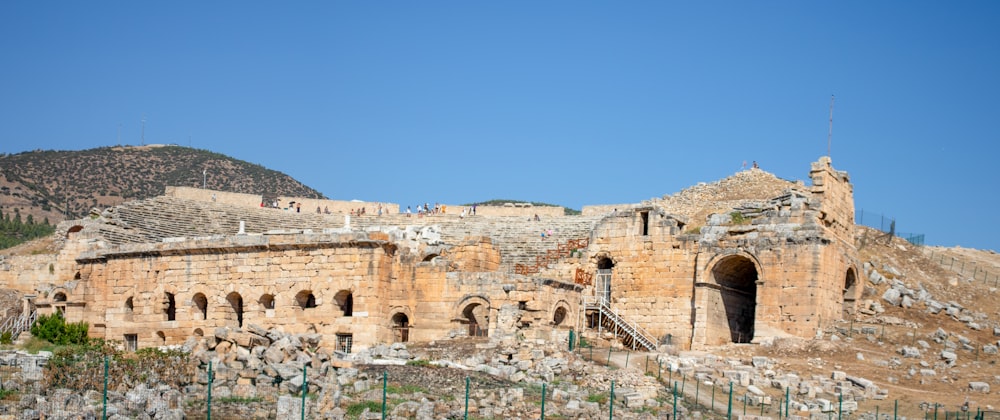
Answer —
571 340
895 410
744 404
104 414
729 410
876 412
936 404
466 398
761 408
611 402
305 387
209 404
675 402
683 382
713 396
385 386
840 406
646 369
697 389
627 353
543 400
786 402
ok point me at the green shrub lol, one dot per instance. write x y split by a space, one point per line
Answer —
737 218
54 329
6 338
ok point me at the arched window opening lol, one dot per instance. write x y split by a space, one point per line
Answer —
345 300
162 337
59 297
401 327
559 316
267 301
198 332
129 306
236 304
305 299
169 306
201 303
430 257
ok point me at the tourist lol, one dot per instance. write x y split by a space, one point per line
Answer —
298 207
407 211
326 209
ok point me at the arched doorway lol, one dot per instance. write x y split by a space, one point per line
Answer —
732 309
476 316
602 288
850 291
401 327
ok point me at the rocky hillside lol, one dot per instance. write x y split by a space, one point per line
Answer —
698 201
67 184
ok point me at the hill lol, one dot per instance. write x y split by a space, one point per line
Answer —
57 185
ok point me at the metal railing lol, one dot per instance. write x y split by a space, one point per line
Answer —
18 324
633 330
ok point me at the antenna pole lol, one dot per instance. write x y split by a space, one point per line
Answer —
829 136
143 138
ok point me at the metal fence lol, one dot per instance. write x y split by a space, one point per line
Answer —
723 397
888 225
100 386
971 269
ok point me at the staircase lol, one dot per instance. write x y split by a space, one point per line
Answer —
631 333
18 324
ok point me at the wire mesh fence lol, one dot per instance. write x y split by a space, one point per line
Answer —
886 224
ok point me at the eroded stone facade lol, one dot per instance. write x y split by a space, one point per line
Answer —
778 265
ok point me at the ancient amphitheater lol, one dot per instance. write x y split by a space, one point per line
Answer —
745 259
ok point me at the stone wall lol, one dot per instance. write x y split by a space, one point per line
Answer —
223 197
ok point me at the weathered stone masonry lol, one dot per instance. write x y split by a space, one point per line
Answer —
157 271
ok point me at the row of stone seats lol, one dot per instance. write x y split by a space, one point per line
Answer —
519 238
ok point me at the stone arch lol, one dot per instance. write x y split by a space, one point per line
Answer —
345 301
429 257
161 338
129 305
198 332
168 303
200 302
474 314
72 230
235 312
266 301
731 298
602 282
850 293
400 327
59 301
305 299
560 313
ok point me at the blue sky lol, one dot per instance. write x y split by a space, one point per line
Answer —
566 102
